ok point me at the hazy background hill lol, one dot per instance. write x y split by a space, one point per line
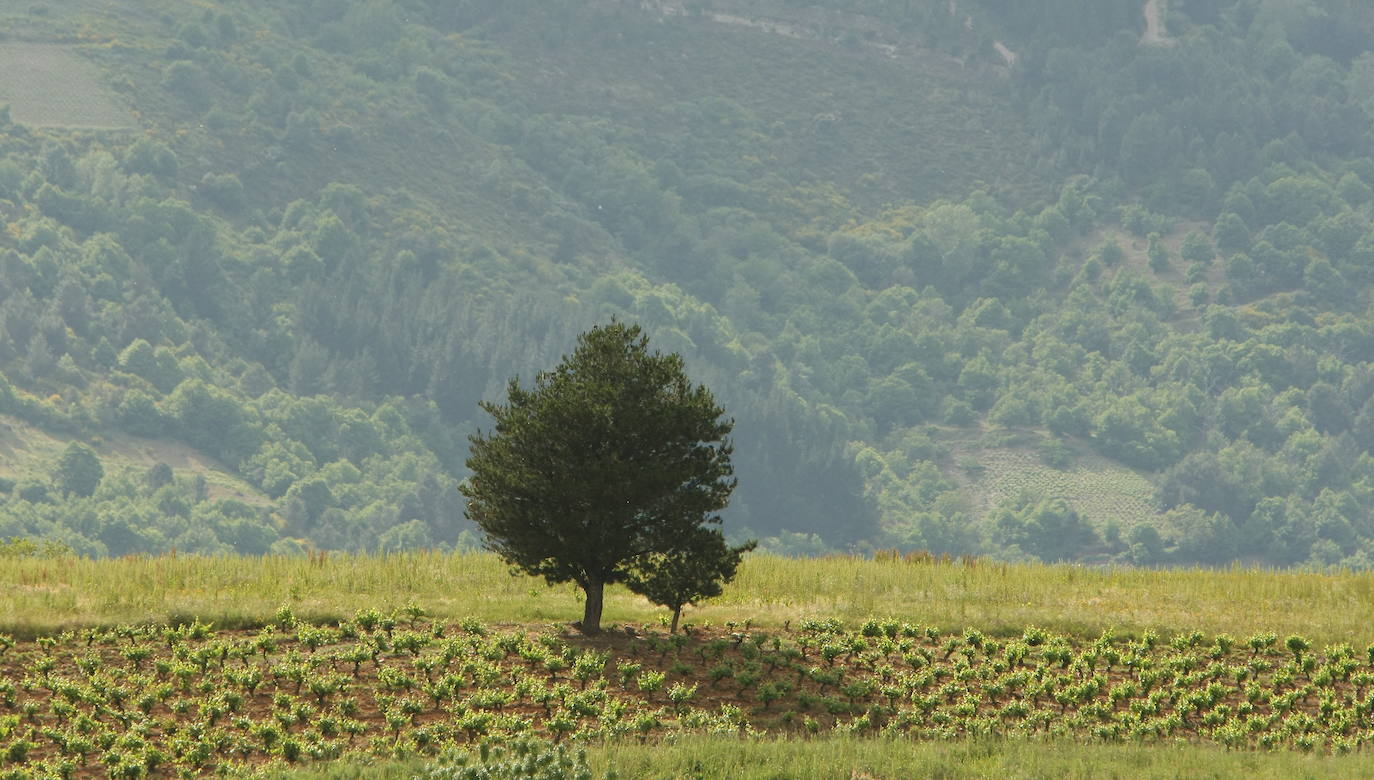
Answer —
1066 280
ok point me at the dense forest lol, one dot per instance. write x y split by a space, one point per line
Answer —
899 238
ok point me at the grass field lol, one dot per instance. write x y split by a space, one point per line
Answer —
886 759
38 596
28 452
50 85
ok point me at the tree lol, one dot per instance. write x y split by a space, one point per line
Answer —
1231 234
1157 254
78 470
612 456
1196 248
1051 530
689 574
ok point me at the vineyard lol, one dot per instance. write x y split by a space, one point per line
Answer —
47 85
163 700
1094 486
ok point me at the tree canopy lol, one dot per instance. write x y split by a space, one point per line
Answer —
612 456
78 471
694 569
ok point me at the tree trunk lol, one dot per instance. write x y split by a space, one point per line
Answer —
591 612
677 613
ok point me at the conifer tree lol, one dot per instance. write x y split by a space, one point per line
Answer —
612 456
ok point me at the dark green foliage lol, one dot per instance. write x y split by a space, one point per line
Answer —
188 81
1048 530
693 571
224 190
33 492
1157 254
611 456
1196 248
211 420
78 471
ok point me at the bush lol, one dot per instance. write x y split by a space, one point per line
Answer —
224 190
1056 454
958 412
188 81
1197 248
1110 252
20 547
78 471
34 492
151 157
138 414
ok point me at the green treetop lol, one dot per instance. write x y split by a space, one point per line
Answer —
689 573
78 470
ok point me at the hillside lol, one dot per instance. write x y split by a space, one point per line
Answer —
1103 299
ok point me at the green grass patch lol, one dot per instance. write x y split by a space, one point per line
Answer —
880 759
30 453
38 596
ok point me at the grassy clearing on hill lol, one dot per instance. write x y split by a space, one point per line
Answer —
924 126
28 452
38 596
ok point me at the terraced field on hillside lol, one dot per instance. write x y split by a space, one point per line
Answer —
1096 487
52 85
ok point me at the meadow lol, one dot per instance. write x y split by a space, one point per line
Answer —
39 595
844 757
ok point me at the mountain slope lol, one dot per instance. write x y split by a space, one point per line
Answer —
337 227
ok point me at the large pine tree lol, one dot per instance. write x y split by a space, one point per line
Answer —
612 456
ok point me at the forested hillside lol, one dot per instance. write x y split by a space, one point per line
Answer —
1019 279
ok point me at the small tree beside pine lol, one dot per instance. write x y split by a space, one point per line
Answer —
689 574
